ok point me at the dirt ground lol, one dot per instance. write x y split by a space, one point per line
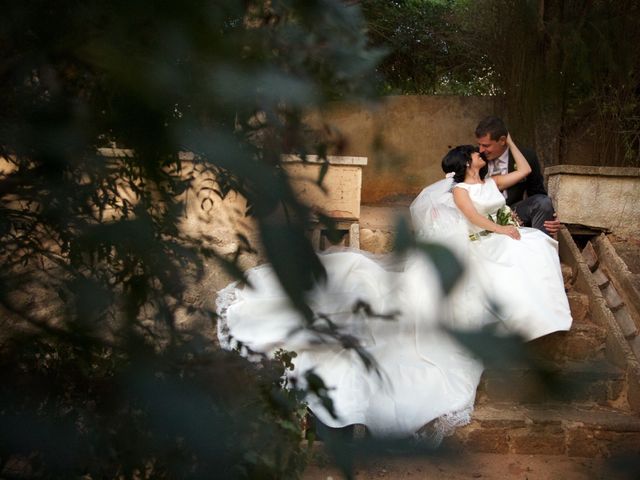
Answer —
484 466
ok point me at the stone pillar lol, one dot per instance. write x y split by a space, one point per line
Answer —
336 196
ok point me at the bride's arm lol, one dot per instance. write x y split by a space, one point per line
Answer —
520 173
464 203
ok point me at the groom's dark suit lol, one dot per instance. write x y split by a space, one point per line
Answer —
536 207
532 185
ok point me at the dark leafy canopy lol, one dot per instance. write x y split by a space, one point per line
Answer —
427 47
563 68
94 264
566 67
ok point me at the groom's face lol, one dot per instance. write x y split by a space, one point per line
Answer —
490 147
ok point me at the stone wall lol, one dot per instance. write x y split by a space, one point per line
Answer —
219 220
415 132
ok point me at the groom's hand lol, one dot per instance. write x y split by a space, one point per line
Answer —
553 226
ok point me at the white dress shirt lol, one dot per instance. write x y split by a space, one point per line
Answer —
499 166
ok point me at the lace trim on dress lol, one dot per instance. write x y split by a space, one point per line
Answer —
434 432
226 297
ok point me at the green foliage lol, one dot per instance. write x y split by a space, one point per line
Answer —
565 67
427 47
561 67
76 409
95 264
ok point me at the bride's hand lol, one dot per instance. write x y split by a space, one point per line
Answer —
509 140
510 231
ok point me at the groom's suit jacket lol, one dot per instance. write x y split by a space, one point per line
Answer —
532 185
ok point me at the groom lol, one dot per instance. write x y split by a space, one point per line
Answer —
536 209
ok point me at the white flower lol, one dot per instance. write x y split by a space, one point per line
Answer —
505 216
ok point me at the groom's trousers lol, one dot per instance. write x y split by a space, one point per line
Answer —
534 211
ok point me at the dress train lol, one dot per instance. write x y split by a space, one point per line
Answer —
425 377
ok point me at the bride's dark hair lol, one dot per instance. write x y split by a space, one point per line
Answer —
457 160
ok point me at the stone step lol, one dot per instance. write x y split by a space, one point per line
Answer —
567 275
612 297
587 383
579 305
634 343
549 429
585 341
601 279
626 323
620 311
590 256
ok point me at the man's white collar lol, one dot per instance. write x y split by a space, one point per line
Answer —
504 158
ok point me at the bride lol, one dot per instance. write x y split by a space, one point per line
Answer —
512 278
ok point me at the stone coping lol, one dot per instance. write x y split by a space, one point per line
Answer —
128 153
589 170
116 152
332 159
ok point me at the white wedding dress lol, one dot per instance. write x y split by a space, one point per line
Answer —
425 376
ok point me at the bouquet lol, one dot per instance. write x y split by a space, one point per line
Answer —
505 216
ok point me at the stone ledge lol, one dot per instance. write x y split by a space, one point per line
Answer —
598 198
599 418
110 152
584 383
588 170
561 429
116 152
584 341
331 159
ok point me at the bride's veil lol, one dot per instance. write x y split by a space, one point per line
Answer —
435 216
